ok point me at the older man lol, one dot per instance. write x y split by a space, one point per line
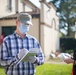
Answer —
17 43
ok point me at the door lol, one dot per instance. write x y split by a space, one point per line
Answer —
7 30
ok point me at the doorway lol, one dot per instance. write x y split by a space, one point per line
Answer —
7 30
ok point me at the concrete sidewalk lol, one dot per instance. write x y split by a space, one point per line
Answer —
55 61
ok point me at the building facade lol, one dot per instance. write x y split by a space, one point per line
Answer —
45 22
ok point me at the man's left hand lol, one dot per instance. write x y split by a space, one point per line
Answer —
31 59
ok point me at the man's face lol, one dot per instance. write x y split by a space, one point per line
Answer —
23 28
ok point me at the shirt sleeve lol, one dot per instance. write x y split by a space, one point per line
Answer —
5 59
39 56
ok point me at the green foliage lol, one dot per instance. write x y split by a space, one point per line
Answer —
67 13
69 51
68 44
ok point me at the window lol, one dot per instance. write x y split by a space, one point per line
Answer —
9 5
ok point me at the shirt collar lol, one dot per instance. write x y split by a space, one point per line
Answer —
26 35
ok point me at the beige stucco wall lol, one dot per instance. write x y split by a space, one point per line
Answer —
49 29
34 30
3 8
7 23
5 12
27 6
45 29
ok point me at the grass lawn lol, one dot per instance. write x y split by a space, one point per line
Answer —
54 69
50 69
1 71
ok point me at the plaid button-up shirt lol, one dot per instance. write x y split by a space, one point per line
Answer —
11 46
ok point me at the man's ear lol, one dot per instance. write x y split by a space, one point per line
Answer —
17 22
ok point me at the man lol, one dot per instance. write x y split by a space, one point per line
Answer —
17 43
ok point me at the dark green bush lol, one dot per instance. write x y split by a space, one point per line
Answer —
67 44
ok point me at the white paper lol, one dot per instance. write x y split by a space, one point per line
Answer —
31 52
63 56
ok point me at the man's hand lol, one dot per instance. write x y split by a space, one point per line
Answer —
22 53
31 59
69 60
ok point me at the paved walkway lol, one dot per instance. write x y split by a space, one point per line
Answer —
55 61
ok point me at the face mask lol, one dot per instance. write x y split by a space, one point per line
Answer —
24 28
